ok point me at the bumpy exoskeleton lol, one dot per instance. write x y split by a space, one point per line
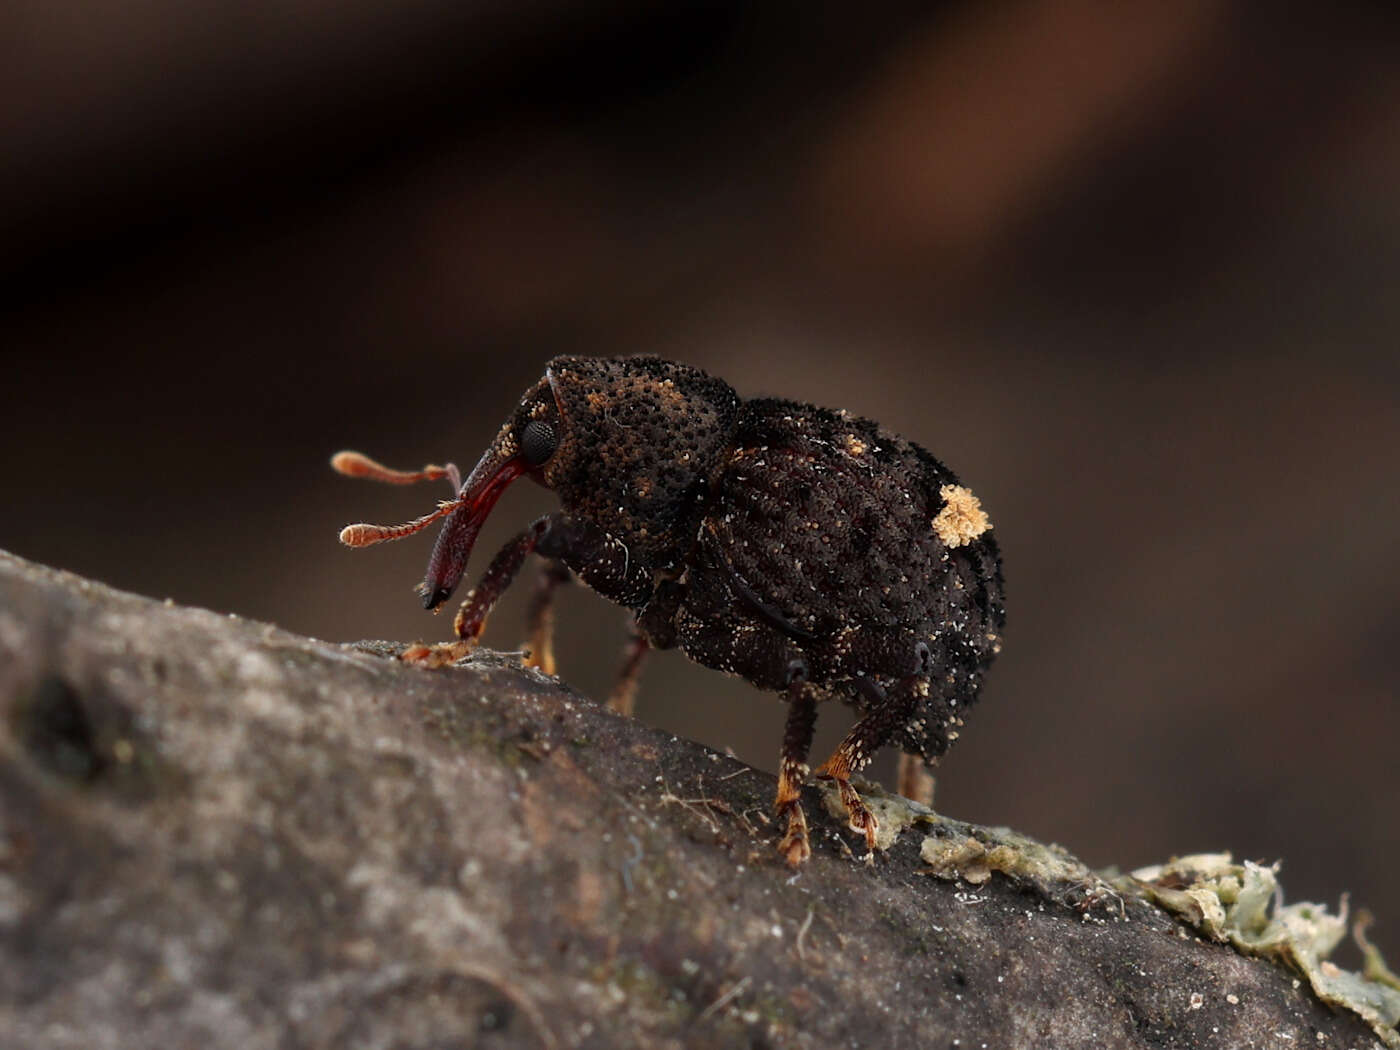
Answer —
808 551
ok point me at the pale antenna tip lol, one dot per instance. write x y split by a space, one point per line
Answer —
354 464
361 535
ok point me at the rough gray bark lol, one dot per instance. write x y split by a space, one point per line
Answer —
215 833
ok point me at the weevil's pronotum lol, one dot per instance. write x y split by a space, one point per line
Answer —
808 551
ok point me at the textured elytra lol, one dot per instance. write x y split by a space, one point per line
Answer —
825 518
806 550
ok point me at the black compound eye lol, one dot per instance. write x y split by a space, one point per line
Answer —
537 442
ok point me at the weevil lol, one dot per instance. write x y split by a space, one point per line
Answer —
809 551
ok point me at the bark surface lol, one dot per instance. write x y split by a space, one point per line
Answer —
215 833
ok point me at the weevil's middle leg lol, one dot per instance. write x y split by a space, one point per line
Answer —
915 781
624 693
539 619
795 846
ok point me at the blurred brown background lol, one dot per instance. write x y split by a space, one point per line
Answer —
1129 268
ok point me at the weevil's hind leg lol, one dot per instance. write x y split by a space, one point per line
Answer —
885 718
539 619
845 762
624 694
471 617
795 846
915 781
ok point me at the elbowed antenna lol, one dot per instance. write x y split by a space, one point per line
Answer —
358 465
365 535
465 514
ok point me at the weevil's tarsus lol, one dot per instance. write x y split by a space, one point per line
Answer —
795 846
440 655
847 760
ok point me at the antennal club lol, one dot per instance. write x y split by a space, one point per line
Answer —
363 535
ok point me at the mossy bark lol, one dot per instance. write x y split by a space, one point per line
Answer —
216 833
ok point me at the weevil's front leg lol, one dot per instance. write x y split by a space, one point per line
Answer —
792 770
539 620
471 617
598 559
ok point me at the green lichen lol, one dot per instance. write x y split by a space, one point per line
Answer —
1241 904
1373 968
1238 904
954 849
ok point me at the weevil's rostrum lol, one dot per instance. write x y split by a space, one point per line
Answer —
808 551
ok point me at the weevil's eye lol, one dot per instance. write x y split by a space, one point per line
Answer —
537 442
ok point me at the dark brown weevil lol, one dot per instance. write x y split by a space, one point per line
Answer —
808 551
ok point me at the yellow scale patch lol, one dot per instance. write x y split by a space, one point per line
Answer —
962 518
